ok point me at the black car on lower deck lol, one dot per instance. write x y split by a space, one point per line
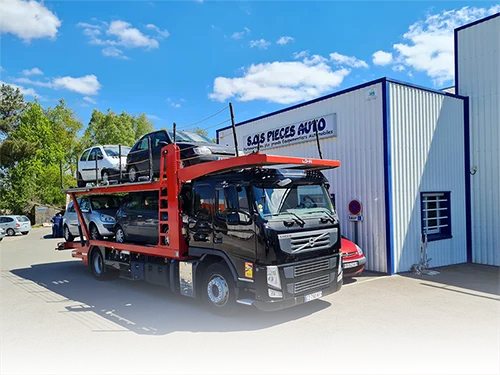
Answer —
194 148
137 218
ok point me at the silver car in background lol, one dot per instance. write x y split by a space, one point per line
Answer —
2 234
99 214
14 224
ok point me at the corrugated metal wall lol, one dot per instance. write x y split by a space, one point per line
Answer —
427 155
478 54
359 146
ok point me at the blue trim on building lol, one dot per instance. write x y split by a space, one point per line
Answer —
478 21
468 191
332 95
455 59
387 176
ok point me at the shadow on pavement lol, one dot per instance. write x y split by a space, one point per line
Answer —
472 277
138 306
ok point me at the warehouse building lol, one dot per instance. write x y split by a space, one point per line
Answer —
404 153
477 76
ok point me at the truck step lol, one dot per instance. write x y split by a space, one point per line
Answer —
246 301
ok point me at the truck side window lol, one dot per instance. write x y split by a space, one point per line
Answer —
221 204
243 199
204 201
226 202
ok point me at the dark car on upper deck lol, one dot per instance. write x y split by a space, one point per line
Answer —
195 148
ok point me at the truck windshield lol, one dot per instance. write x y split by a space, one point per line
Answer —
299 200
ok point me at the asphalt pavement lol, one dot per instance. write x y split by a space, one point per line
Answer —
55 318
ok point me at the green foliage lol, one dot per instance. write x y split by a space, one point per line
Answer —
200 131
110 128
36 142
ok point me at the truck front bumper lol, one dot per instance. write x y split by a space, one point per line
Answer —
284 303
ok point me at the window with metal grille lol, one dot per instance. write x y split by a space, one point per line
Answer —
436 215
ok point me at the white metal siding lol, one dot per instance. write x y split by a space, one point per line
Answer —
427 155
479 78
360 149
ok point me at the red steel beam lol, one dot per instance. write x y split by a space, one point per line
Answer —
253 160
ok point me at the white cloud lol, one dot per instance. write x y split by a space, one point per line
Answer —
86 85
28 81
153 117
173 104
23 90
398 68
285 40
32 72
428 45
161 33
129 36
351 61
89 99
114 52
120 33
261 44
280 82
315 59
240 34
300 55
28 20
382 58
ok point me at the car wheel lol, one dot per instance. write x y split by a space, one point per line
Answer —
24 233
68 237
80 181
133 175
11 232
105 177
219 291
120 235
94 232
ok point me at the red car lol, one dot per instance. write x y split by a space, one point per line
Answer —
353 258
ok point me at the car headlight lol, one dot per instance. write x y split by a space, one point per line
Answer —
202 150
360 252
273 277
107 218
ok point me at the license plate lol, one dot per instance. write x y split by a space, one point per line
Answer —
350 265
313 296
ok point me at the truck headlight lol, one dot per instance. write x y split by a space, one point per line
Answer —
107 218
360 252
202 150
273 277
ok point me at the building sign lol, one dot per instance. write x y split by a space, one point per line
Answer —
371 94
303 131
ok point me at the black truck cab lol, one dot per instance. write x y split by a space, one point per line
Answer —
275 229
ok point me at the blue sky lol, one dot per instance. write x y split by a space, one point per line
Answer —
182 61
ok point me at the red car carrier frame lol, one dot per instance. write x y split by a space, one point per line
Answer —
173 246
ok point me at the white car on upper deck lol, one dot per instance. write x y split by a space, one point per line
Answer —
106 158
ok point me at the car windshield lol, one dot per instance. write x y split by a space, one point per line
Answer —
104 203
294 200
180 136
115 151
22 218
199 138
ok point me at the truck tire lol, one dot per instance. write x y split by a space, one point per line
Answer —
219 290
98 267
68 237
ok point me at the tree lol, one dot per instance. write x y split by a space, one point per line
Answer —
109 128
141 125
12 105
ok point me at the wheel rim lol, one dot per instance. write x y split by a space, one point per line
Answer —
98 263
105 177
66 233
11 232
94 233
132 175
120 236
218 290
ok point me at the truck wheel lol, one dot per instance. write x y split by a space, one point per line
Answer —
219 290
68 237
80 181
97 264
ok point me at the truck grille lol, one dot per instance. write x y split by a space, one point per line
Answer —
314 283
307 268
299 242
